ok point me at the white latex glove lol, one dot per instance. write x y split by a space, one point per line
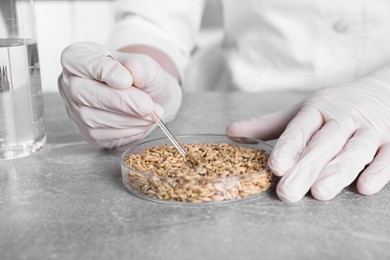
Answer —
110 95
328 141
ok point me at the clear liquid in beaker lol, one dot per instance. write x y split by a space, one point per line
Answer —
22 126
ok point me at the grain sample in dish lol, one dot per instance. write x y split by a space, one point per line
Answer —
224 172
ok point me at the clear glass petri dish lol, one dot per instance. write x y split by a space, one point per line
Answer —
196 191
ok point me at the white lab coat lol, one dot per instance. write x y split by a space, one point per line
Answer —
267 44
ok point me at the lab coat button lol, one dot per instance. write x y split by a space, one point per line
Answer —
340 26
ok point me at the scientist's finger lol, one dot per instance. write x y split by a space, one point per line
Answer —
103 135
93 61
346 166
145 71
97 118
322 148
377 174
294 139
95 94
61 86
109 134
264 127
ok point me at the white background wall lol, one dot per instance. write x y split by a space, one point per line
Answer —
60 23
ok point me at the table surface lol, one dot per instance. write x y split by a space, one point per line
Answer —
68 202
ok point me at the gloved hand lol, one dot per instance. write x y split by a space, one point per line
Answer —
110 95
328 140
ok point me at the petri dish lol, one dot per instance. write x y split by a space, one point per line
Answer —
198 190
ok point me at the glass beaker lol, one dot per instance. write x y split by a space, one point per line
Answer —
22 125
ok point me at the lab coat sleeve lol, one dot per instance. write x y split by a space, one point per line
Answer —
171 26
381 76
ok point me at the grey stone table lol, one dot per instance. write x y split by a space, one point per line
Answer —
68 202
